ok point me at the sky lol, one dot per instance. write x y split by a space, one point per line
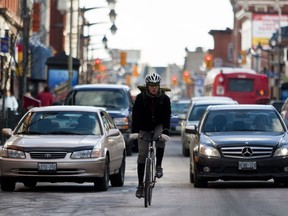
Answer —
160 29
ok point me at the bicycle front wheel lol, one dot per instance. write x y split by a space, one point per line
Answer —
147 183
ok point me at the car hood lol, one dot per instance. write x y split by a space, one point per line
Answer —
48 141
118 113
255 138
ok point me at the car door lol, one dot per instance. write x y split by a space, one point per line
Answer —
114 143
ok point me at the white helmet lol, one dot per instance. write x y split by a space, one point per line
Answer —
152 78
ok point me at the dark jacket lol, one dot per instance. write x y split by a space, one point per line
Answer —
148 112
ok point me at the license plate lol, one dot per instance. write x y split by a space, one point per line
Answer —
247 165
47 166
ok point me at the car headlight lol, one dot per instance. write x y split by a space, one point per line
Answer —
282 151
209 151
122 123
11 153
84 154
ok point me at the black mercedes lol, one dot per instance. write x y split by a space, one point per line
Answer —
239 142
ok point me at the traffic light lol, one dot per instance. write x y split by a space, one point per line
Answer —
209 60
174 81
97 65
123 58
186 76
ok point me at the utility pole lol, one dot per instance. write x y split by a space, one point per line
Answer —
70 60
26 28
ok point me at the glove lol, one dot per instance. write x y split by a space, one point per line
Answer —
164 138
134 136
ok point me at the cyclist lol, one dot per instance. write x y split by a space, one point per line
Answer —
151 109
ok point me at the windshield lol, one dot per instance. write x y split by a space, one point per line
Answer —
179 107
79 123
197 112
243 120
108 98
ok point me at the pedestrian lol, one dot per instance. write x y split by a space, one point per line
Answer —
10 101
46 97
151 111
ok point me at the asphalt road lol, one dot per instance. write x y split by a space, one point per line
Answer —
173 195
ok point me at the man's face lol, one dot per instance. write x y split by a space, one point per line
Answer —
153 88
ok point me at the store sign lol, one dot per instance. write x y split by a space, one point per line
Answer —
4 45
263 27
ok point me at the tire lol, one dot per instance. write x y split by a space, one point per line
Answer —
129 147
191 175
102 184
7 184
117 180
198 182
147 182
185 151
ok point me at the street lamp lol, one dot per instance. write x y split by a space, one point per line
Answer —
111 4
112 15
113 29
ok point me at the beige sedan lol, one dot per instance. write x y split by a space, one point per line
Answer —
63 144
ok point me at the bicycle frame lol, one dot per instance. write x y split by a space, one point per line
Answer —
150 172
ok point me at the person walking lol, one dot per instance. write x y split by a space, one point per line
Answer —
46 97
151 111
10 101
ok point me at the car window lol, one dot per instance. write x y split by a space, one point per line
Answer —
242 120
109 98
60 123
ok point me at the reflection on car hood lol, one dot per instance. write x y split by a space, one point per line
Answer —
53 141
236 139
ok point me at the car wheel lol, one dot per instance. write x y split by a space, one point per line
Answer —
117 180
102 184
185 151
191 175
7 184
30 184
129 147
135 146
198 182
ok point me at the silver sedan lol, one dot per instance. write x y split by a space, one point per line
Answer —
63 144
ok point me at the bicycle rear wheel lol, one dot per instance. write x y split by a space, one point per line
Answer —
147 182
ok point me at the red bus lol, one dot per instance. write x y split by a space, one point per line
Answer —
241 84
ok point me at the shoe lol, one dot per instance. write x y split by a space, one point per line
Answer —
139 191
159 171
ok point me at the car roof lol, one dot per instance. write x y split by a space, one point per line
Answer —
67 108
181 101
100 86
210 98
211 101
241 107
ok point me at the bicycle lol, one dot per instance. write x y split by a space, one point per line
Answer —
149 172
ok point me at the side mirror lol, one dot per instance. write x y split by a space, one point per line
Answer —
113 132
7 132
191 129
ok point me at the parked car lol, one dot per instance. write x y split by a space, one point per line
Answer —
178 107
195 113
63 144
115 99
239 142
